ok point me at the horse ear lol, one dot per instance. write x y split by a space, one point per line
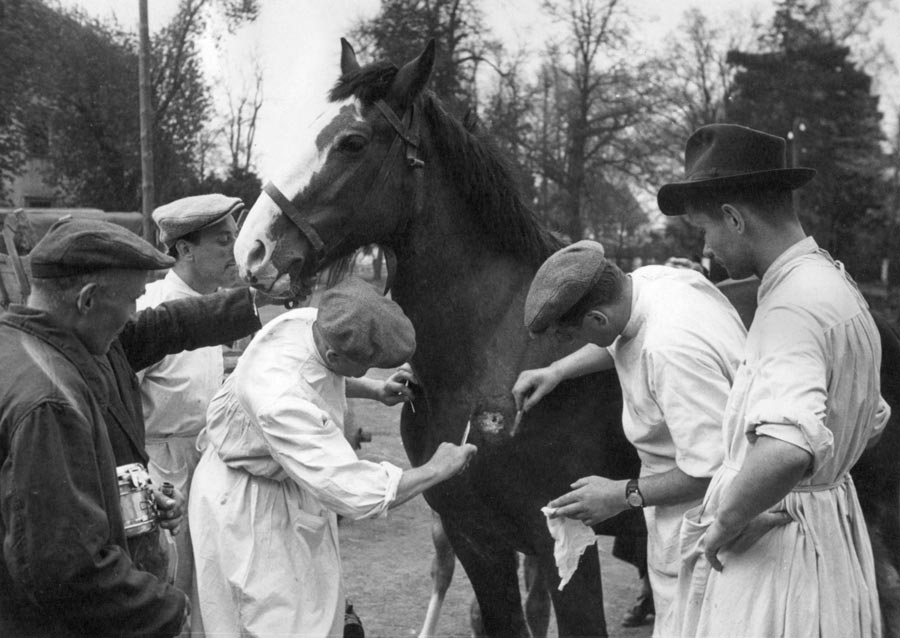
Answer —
411 79
348 58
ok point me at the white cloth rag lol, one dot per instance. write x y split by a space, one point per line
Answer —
571 538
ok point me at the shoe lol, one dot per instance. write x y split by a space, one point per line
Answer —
643 613
352 624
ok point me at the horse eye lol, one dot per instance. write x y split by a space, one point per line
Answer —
352 143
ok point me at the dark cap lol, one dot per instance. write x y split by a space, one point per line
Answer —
77 246
566 276
727 155
177 219
365 326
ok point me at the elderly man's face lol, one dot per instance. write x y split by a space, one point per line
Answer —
112 305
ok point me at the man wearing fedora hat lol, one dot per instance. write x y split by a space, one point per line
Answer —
804 405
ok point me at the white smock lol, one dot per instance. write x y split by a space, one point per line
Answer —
676 360
810 378
275 472
175 393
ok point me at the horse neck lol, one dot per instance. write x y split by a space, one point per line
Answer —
465 300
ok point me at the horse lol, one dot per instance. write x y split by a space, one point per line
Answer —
391 167
877 472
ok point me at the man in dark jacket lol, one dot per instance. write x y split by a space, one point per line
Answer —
66 566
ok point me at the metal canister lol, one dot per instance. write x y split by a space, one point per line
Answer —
136 499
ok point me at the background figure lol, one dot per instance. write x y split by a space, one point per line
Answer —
199 233
66 567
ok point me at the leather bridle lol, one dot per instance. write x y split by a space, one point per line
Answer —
407 131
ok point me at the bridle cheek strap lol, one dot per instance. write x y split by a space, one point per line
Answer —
289 210
409 136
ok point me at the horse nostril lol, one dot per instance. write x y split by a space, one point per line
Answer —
256 257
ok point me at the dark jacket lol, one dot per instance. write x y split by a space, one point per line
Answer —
171 327
66 570
67 419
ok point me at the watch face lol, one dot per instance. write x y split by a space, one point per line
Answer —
635 499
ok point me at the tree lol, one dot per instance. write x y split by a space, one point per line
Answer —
806 87
594 99
402 27
75 103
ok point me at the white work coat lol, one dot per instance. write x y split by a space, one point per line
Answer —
810 378
275 472
175 393
676 359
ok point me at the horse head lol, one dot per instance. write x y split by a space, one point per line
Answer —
345 189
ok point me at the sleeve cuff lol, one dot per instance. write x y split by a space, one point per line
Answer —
797 427
390 493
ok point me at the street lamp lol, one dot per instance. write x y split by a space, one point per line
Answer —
798 125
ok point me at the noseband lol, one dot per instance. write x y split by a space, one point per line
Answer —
407 135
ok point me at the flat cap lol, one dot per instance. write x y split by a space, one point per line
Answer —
364 325
177 219
76 246
561 281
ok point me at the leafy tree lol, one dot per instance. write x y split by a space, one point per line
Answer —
238 182
806 87
76 105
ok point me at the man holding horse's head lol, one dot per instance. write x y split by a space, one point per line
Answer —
804 405
675 342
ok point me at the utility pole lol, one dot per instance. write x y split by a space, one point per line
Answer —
147 179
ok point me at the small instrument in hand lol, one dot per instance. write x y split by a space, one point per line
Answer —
411 406
466 433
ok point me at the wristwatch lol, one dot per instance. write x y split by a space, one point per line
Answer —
633 495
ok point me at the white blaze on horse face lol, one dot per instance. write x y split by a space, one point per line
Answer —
255 244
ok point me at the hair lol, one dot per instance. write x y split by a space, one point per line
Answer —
192 238
773 199
58 291
487 180
605 290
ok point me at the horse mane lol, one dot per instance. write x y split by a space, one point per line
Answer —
480 169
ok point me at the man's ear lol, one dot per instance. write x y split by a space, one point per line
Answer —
598 316
735 219
85 298
184 249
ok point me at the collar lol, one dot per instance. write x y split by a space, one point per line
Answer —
636 319
45 327
777 268
176 284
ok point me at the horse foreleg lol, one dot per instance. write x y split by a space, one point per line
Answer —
579 606
442 567
493 571
537 571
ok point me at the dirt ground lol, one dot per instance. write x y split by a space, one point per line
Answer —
387 562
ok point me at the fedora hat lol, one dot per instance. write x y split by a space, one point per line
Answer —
720 155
